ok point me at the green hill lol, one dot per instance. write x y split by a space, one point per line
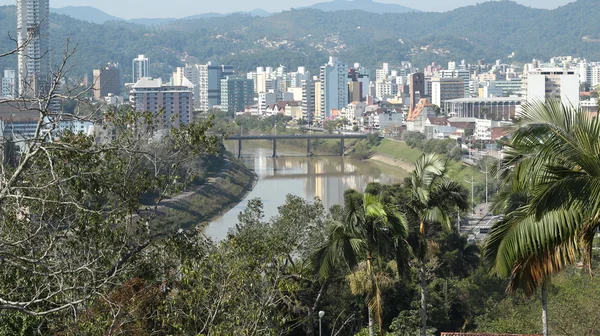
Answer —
490 31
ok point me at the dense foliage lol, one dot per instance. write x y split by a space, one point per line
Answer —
447 147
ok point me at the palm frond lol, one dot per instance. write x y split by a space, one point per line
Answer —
342 244
519 236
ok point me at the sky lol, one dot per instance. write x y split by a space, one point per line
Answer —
129 9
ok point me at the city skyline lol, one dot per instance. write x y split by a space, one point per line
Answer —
182 8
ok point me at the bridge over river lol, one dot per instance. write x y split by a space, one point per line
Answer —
307 137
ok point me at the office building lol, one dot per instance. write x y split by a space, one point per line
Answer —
9 84
356 85
175 102
140 66
209 91
544 84
236 94
465 75
107 81
334 86
443 89
33 59
355 91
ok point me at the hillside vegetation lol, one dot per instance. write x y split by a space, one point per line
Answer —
490 31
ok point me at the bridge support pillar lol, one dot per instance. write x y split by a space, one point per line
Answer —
308 148
274 148
343 146
239 148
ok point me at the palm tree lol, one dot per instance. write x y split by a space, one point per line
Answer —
552 197
533 271
464 258
554 154
370 230
432 194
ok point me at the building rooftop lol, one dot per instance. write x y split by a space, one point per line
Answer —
148 82
485 100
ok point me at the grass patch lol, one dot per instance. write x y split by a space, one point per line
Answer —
398 150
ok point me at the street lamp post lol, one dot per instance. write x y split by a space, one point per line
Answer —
486 183
472 182
321 314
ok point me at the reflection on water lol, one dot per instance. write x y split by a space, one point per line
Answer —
325 177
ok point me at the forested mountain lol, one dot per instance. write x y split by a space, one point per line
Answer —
489 31
364 5
94 15
85 13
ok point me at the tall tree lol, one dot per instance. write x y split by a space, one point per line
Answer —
432 197
550 199
76 208
369 231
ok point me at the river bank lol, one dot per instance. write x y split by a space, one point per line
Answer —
399 154
392 161
222 190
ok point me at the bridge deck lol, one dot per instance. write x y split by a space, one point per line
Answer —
302 136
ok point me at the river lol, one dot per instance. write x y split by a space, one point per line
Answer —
325 177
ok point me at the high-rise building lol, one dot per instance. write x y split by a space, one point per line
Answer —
308 99
383 73
174 102
236 93
9 84
33 36
140 66
386 88
190 74
354 91
317 91
465 75
107 81
543 84
443 89
334 86
209 92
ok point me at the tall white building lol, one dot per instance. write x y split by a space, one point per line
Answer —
264 100
383 73
9 84
308 99
334 86
553 83
386 88
191 73
140 66
33 32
